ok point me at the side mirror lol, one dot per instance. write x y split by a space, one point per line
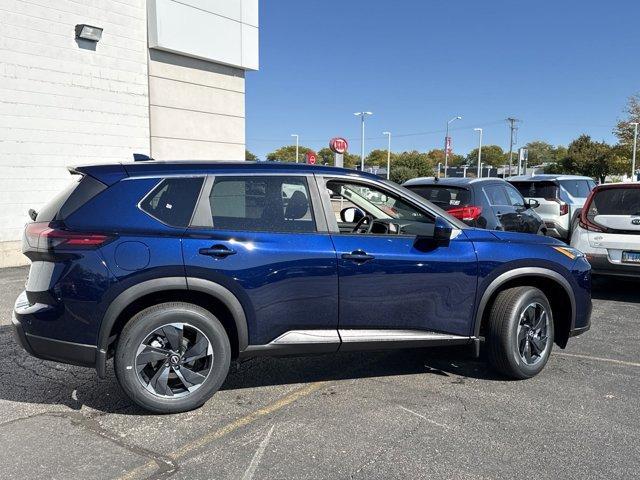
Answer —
435 235
351 215
533 203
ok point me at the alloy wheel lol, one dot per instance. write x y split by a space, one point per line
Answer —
533 333
174 360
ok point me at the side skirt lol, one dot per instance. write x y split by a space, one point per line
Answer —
306 342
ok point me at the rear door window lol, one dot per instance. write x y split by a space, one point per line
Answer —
497 195
577 188
262 203
446 197
172 201
546 190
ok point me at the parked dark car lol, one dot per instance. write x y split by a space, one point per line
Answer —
489 203
173 269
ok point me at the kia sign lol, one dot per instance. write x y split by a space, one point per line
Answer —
338 145
311 157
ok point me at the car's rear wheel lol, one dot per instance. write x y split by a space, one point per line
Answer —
520 334
172 357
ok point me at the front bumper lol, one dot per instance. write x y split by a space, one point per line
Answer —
47 348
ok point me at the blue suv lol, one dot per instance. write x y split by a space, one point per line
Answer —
173 269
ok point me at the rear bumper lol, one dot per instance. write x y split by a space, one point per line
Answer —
602 265
48 348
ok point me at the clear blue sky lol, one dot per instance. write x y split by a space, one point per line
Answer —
564 67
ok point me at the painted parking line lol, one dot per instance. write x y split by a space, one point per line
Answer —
150 467
441 425
598 359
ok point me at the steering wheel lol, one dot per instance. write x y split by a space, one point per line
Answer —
363 222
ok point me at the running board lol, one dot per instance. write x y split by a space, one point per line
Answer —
302 342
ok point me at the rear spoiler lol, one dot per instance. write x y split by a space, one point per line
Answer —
107 173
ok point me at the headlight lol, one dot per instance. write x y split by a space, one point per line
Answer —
570 252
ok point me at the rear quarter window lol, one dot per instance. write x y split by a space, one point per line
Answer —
81 189
173 200
577 188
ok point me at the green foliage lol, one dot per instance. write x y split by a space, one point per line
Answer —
542 152
250 156
379 158
420 163
594 159
288 154
491 155
624 131
327 157
401 174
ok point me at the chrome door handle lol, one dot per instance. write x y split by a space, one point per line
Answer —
218 251
358 256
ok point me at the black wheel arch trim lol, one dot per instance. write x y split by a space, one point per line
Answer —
125 298
517 273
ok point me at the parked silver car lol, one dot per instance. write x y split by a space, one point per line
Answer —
561 198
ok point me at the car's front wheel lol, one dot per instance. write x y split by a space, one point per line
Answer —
520 334
172 357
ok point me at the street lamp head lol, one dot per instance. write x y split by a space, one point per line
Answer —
478 129
386 133
459 117
357 114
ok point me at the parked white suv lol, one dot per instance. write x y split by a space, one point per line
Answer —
560 197
609 229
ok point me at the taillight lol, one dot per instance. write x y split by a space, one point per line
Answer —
564 208
584 221
44 237
466 213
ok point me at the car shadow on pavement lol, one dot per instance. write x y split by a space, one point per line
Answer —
25 379
617 289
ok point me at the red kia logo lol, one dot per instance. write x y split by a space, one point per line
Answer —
338 145
311 157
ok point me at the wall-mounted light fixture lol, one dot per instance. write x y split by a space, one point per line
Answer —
87 32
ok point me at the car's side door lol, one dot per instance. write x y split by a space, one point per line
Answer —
506 214
264 238
388 280
529 221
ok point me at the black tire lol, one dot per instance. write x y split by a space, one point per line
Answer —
196 323
504 347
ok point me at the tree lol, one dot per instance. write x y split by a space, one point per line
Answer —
624 131
401 174
542 152
593 159
419 163
491 155
378 158
288 154
250 156
437 156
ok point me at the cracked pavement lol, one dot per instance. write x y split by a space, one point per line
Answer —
403 414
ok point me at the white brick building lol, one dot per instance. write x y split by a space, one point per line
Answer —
166 79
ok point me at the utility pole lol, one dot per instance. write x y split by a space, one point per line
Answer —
513 128
635 146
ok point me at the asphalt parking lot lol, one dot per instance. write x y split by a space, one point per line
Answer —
405 414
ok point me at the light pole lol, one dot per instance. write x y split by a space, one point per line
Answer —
388 134
362 115
446 145
297 144
635 145
481 167
479 130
